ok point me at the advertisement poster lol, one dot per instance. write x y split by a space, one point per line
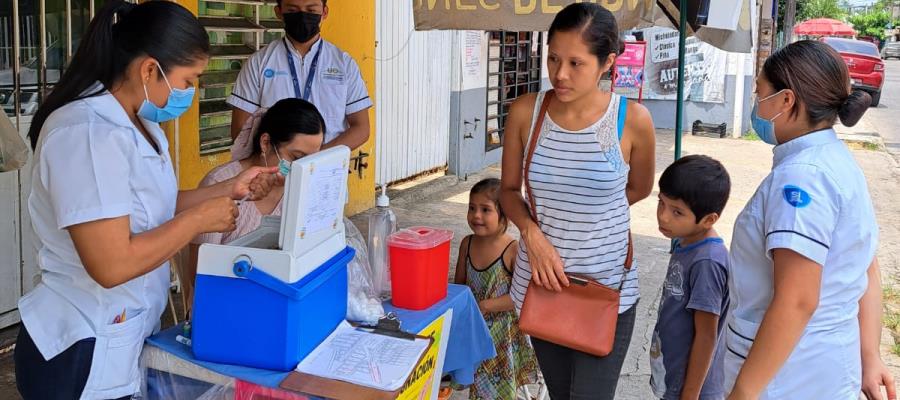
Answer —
630 70
705 68
472 53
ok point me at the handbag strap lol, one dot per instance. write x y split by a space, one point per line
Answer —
529 153
629 260
532 144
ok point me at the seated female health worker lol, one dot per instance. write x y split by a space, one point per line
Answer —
805 288
105 205
292 128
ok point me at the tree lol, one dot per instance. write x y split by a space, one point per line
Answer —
871 24
808 9
790 18
820 9
782 6
885 5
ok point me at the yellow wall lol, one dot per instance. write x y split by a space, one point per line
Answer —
351 26
190 166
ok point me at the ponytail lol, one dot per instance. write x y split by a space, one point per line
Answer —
854 107
819 78
118 34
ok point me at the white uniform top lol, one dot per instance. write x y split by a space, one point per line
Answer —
92 163
816 203
337 88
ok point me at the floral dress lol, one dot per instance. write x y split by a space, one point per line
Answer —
515 364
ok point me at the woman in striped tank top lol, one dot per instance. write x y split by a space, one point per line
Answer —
583 179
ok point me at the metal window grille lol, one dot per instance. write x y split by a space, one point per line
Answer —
37 38
237 28
514 68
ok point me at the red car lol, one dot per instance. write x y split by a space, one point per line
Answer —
864 61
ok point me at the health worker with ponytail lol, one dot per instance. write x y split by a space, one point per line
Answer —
805 319
105 205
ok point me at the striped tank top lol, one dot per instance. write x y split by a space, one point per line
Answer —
578 182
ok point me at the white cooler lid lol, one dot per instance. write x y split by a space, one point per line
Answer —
314 196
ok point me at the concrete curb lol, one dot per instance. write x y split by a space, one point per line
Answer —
423 191
863 135
865 140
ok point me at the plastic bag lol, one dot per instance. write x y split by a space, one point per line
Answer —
13 150
363 305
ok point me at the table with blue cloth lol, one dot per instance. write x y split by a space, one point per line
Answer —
172 372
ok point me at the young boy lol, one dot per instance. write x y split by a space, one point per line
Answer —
685 358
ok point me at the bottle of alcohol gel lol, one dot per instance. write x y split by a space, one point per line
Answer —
382 223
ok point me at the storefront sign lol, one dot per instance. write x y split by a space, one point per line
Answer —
518 15
537 15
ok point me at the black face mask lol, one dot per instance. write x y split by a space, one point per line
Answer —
302 26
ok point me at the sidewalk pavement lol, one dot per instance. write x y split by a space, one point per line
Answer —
864 134
443 202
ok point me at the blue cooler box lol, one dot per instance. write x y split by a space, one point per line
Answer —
257 320
268 298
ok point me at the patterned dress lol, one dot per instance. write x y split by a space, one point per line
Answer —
515 364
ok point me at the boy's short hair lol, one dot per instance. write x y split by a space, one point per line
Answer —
699 181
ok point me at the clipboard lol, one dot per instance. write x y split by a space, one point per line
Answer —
334 389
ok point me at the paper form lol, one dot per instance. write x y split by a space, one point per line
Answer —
325 207
364 358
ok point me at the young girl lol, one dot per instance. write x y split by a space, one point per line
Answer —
485 265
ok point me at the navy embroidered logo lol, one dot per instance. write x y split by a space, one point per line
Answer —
334 74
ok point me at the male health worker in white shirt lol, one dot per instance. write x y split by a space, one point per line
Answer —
306 66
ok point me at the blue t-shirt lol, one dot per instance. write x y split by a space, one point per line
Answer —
696 280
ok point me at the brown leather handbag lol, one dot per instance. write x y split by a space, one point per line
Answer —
584 315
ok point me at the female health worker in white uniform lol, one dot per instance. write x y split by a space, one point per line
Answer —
105 205
804 283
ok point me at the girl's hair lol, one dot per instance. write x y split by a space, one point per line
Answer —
597 25
286 119
820 80
118 34
490 187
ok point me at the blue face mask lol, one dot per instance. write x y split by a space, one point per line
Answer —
178 102
284 167
765 128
